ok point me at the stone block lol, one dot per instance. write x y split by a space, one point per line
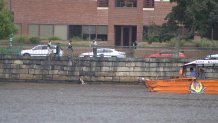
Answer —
128 79
130 64
53 72
107 64
31 71
85 68
26 76
5 76
125 69
122 74
15 66
108 79
137 69
9 71
115 79
45 72
132 74
47 77
22 71
18 61
104 74
72 78
37 77
8 62
58 77
37 71
122 64
72 73
140 64
101 79
62 72
153 65
67 68
24 66
7 66
15 76
1 70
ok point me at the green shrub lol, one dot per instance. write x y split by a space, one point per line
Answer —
173 41
206 43
34 40
76 38
54 38
21 39
153 34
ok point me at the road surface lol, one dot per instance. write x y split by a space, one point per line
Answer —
100 103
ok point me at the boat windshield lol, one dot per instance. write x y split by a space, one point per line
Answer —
201 69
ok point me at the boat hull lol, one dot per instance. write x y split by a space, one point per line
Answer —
180 85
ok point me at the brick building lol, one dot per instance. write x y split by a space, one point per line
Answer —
120 22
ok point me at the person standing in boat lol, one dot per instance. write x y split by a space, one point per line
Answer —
193 72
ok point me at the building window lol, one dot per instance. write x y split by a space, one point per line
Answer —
61 31
102 3
33 30
18 26
89 32
126 3
46 31
101 33
148 4
42 31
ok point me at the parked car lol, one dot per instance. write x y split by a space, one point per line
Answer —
40 50
105 52
166 54
211 57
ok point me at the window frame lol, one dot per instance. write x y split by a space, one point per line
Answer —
126 3
148 3
102 3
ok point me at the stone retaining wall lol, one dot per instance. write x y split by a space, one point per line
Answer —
92 70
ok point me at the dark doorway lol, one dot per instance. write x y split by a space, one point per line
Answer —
125 35
211 33
75 31
118 35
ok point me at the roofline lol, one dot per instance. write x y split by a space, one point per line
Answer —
202 62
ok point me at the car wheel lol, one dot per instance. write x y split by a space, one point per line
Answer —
86 56
26 55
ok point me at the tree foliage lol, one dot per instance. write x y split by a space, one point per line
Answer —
7 26
195 15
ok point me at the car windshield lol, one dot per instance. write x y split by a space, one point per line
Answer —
167 52
44 47
37 48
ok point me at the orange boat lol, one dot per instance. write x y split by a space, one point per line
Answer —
204 80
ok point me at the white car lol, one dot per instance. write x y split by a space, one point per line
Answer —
211 57
40 50
105 52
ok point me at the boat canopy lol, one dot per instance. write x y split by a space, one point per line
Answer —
203 63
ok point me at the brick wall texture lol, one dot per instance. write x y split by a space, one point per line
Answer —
86 12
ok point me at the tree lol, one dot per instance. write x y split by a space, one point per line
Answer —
195 15
7 26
